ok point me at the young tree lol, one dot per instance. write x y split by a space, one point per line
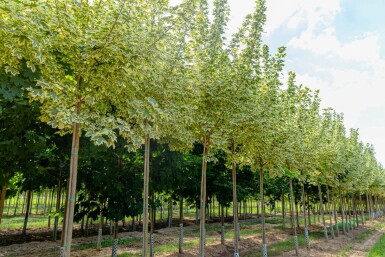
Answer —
84 51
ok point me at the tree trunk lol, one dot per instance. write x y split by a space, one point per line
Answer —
181 225
17 203
169 212
71 187
24 199
46 196
355 217
202 227
308 209
297 214
29 194
145 197
38 202
264 246
196 215
115 242
56 220
50 208
330 213
222 225
362 209
235 201
283 209
335 214
322 211
9 206
152 225
292 214
2 200
304 216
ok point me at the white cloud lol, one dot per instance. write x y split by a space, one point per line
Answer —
296 12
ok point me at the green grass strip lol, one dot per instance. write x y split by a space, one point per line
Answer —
378 249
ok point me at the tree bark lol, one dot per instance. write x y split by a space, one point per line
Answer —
202 227
24 200
29 196
304 216
50 203
145 196
264 246
292 214
329 208
56 220
235 201
181 225
17 203
335 214
322 211
2 200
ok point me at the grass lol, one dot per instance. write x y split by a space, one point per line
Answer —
282 246
363 236
108 243
171 247
16 222
378 249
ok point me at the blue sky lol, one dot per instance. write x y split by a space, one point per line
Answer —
336 46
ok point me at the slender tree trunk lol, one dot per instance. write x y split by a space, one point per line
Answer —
330 213
361 208
308 208
9 205
264 245
29 196
347 213
152 218
24 200
335 214
38 202
297 214
283 209
196 215
343 217
322 211
50 208
56 220
235 201
304 216
355 217
17 203
145 197
115 243
100 230
169 211
2 200
181 225
46 196
292 214
202 227
222 225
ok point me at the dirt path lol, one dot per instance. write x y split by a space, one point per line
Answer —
362 249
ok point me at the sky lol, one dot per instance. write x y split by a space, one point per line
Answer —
336 46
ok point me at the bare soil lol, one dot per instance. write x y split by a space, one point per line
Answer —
37 243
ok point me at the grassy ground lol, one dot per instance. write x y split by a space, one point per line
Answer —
378 249
16 222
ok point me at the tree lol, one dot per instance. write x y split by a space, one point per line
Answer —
84 51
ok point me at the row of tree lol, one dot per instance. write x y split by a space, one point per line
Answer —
144 71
